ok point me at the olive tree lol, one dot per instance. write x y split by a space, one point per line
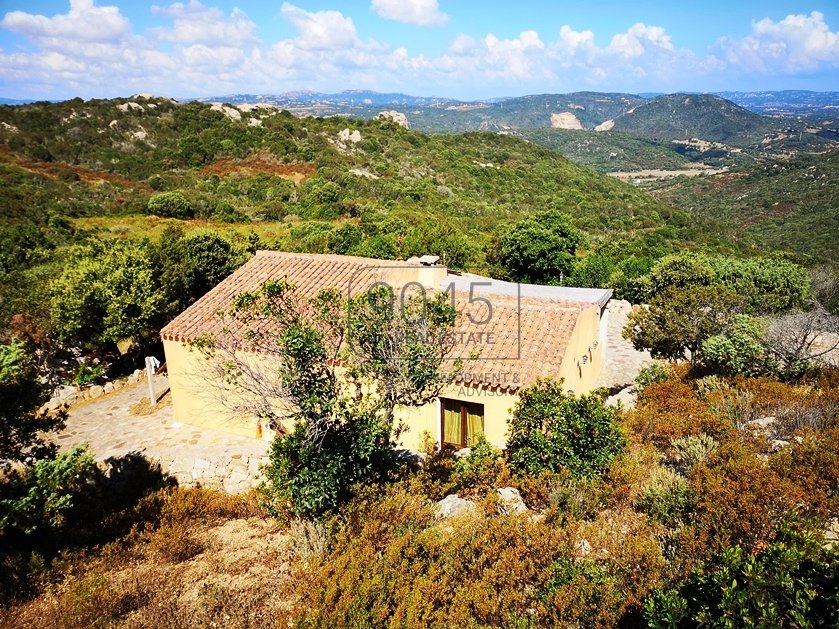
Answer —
679 320
108 292
328 372
540 249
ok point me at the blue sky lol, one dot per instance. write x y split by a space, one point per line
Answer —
457 48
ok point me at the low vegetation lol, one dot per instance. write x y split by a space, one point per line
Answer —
714 500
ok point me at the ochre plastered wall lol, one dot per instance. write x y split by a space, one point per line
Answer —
196 400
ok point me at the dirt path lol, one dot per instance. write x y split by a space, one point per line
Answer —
621 362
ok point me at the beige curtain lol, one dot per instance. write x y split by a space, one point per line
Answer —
474 422
451 422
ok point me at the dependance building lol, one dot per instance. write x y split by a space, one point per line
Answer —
522 332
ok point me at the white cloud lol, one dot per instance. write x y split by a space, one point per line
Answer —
84 22
199 24
91 50
418 12
795 44
321 30
639 39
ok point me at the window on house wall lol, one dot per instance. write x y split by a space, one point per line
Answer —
461 422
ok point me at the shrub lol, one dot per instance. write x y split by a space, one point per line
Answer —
41 497
391 566
310 538
654 373
553 430
670 410
706 385
88 374
170 204
479 469
693 450
813 465
738 350
739 500
22 430
314 478
793 582
666 498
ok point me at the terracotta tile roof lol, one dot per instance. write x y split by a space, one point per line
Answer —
523 337
521 341
309 273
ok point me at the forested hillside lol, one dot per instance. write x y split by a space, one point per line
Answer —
783 204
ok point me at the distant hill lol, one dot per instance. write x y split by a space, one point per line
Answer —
301 179
782 204
348 98
610 152
684 116
788 102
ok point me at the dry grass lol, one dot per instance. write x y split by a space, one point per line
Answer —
144 407
212 560
124 227
264 163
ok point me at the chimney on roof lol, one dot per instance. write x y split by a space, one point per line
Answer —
428 260
428 272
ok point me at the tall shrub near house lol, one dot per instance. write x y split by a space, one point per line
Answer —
551 429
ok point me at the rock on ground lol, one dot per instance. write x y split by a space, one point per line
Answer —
453 506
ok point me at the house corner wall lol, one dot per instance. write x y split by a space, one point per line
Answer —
584 353
195 401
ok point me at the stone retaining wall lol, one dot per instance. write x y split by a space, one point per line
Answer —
233 473
67 395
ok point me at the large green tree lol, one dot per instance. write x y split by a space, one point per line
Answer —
108 292
190 265
679 320
539 249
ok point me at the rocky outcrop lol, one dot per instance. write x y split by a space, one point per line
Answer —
453 506
565 120
394 116
510 501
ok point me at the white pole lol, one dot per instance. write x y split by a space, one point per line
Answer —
150 378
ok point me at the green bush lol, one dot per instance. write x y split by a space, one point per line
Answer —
40 497
479 468
315 477
551 429
654 373
680 271
793 582
88 374
739 350
170 204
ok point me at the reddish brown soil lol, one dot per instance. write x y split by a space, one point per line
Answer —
298 173
54 169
